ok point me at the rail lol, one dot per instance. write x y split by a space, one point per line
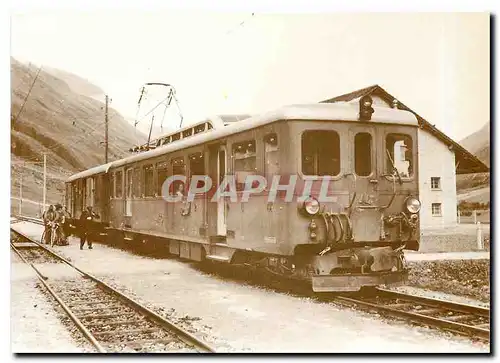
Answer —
150 315
459 318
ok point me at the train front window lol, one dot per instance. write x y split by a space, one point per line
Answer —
363 154
245 162
399 154
320 153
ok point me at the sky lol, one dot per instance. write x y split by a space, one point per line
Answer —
436 63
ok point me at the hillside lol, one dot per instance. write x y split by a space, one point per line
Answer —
476 187
77 84
478 143
62 119
69 126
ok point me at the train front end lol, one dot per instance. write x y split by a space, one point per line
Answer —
360 204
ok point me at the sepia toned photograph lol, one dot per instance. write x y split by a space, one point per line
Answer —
204 181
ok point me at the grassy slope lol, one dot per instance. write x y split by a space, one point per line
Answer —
468 185
67 125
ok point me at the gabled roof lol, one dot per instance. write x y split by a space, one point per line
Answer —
466 162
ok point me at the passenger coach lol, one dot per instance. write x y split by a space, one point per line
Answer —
346 207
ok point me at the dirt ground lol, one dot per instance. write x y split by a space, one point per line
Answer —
35 324
236 317
470 278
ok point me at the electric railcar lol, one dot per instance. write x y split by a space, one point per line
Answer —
345 208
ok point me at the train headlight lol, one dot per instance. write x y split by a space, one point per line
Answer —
311 206
412 205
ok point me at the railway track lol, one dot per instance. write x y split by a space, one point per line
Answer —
473 321
109 320
18 218
458 318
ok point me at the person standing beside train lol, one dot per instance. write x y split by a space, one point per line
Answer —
48 217
60 221
86 226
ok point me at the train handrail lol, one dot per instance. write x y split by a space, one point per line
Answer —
393 193
354 196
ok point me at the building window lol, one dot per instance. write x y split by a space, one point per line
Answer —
363 154
149 189
245 161
399 154
435 183
436 209
320 153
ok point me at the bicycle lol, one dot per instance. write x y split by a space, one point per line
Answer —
53 234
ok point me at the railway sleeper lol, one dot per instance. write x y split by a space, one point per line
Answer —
429 311
106 316
88 302
141 344
126 332
114 323
401 305
111 307
459 318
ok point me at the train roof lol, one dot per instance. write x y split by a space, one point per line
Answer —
340 111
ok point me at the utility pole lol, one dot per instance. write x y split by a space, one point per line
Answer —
106 131
44 180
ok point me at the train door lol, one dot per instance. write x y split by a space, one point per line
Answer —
128 191
221 203
105 201
364 193
216 210
69 197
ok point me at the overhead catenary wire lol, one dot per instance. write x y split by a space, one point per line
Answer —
28 94
172 91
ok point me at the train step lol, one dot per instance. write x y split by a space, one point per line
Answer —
218 258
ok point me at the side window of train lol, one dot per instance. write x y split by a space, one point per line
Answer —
178 168
119 184
399 154
271 155
97 189
149 190
112 185
320 153
161 176
197 167
363 154
245 161
137 182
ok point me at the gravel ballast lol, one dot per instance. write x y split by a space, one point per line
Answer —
235 317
